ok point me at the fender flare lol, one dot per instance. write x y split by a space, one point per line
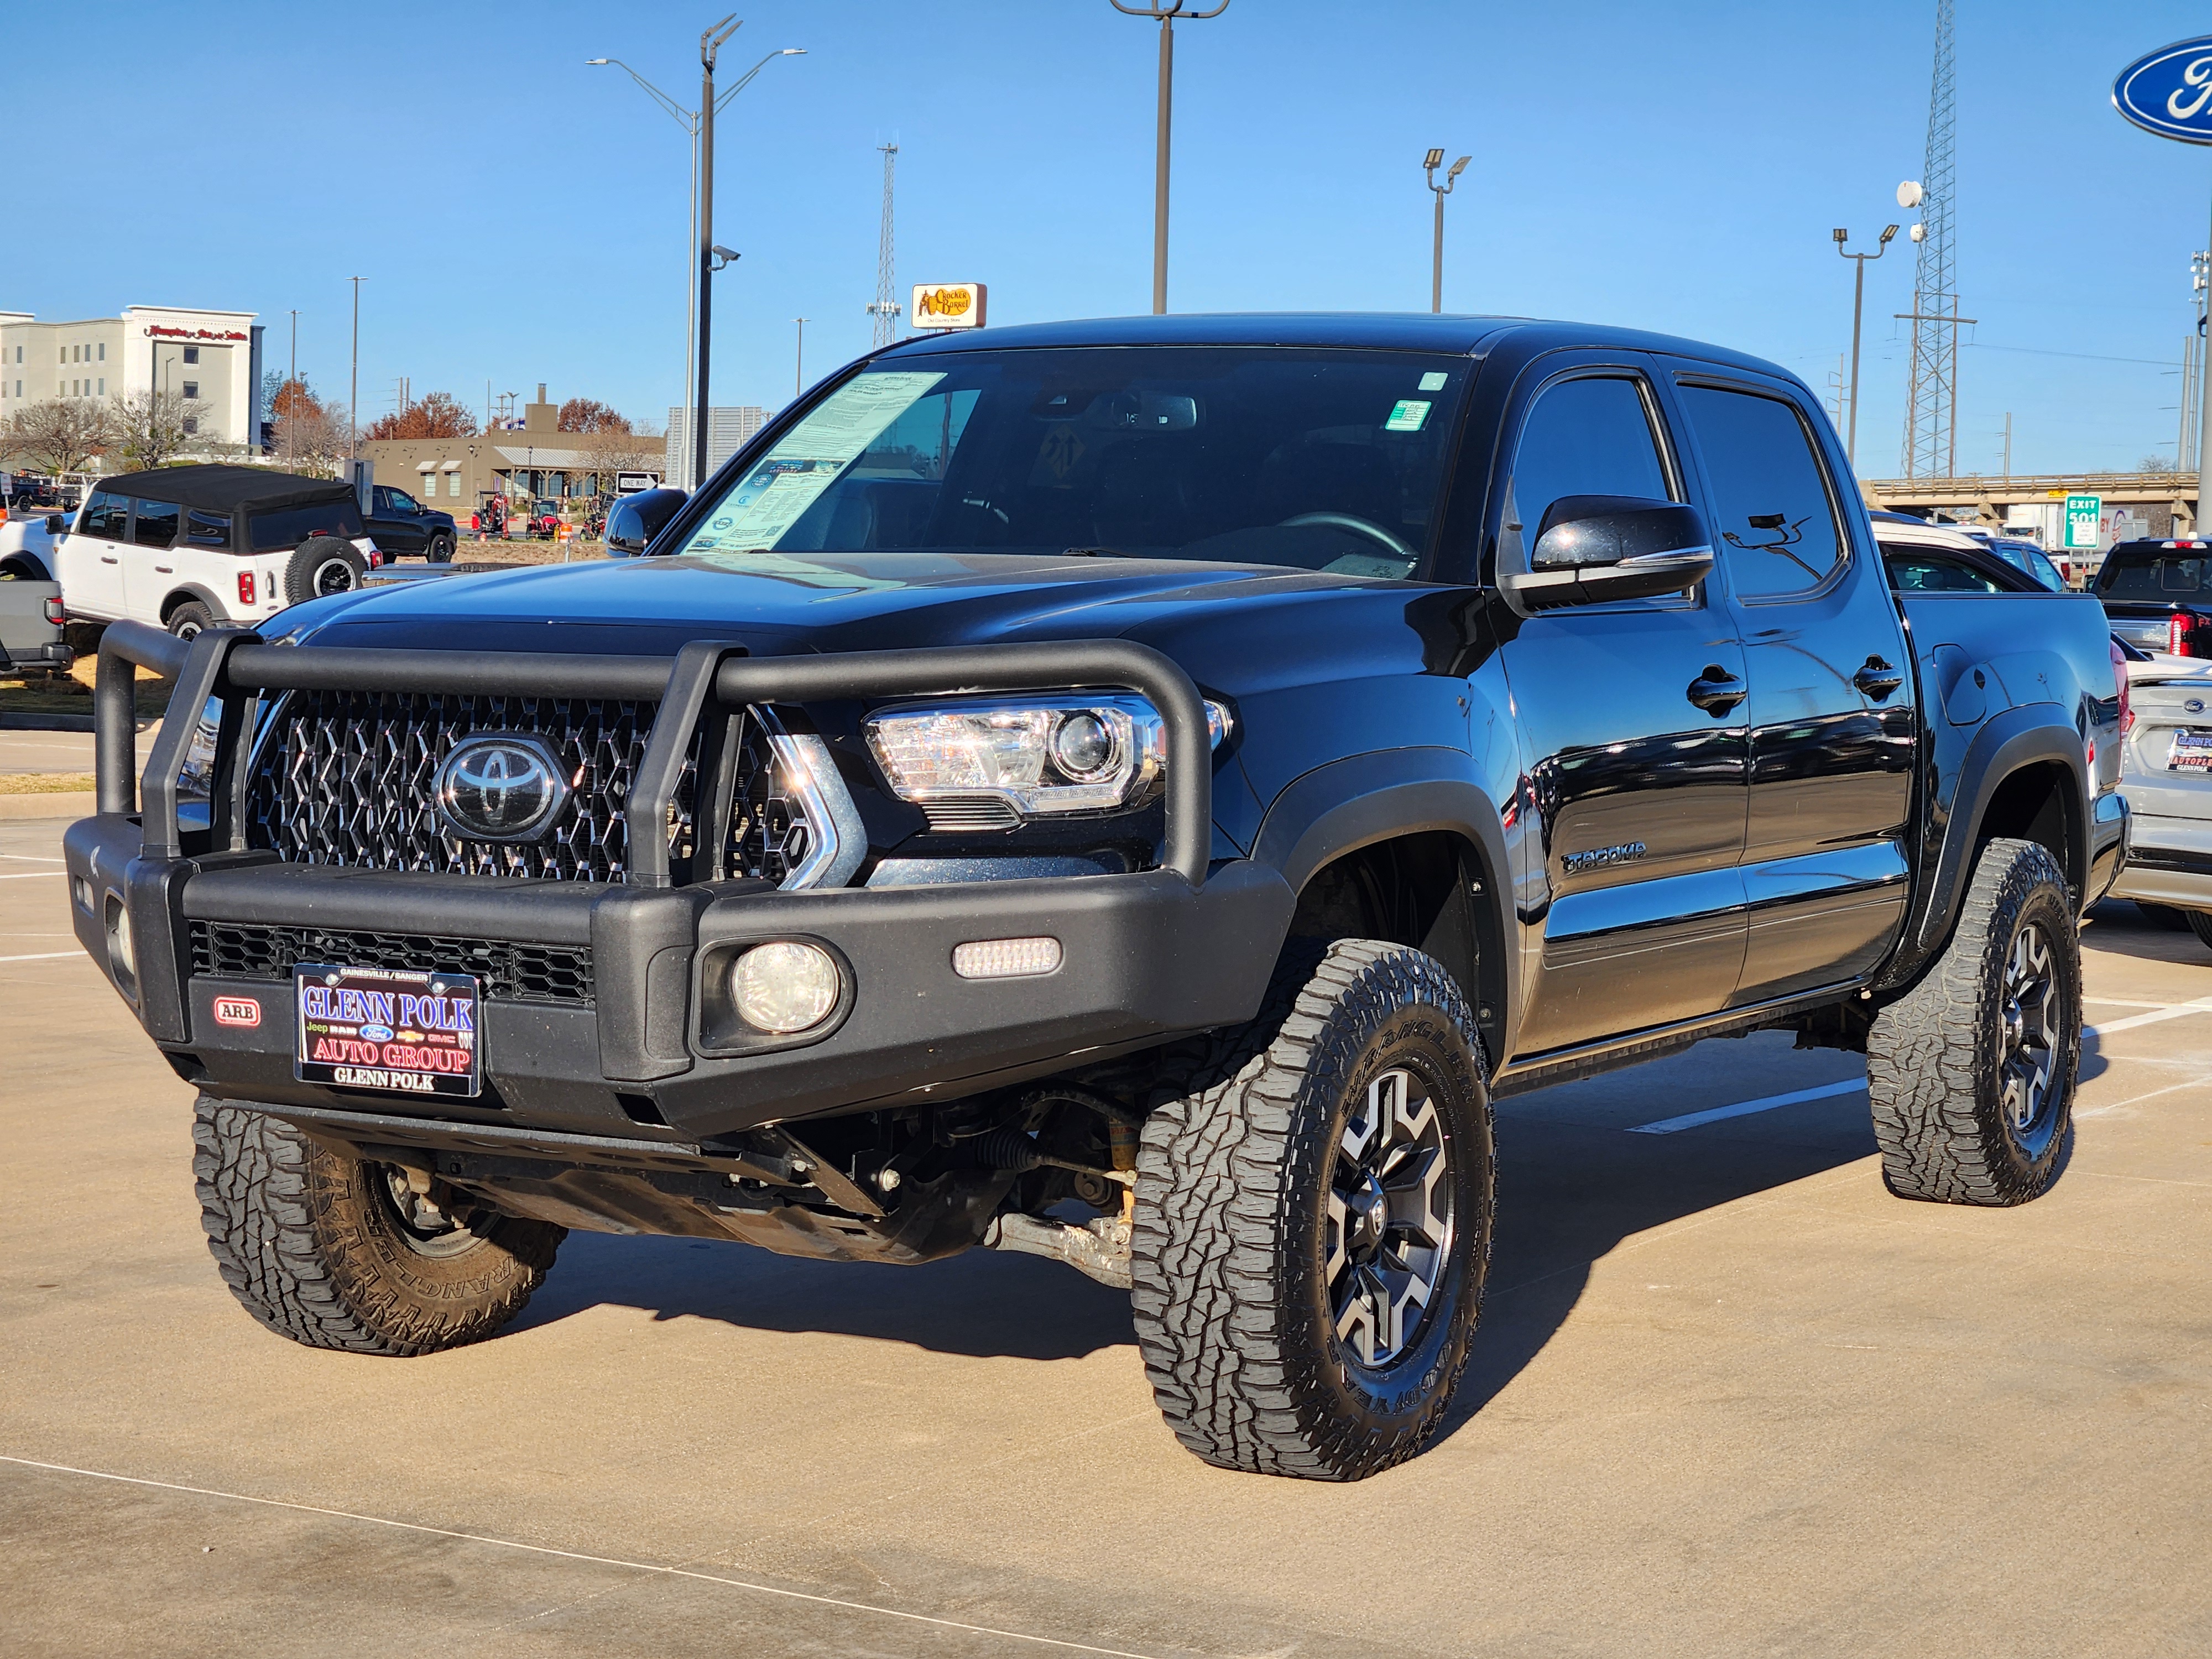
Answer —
185 593
36 566
1363 799
2028 735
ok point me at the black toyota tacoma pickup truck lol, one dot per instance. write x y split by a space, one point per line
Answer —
1133 792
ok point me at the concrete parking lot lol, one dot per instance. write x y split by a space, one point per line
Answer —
1729 1397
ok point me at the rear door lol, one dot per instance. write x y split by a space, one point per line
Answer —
89 558
1834 744
1634 750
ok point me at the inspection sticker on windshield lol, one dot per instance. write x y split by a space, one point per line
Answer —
1407 414
2190 751
379 1028
1434 380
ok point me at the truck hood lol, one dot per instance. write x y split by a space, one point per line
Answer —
776 603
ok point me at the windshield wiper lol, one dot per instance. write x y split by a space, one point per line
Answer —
1096 553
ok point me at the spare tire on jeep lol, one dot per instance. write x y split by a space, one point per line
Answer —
322 565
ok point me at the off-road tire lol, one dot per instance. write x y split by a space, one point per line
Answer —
306 1239
1231 1295
440 550
320 565
2198 922
189 620
1934 1056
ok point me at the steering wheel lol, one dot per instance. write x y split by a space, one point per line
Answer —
1374 532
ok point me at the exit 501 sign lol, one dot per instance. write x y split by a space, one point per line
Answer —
2081 515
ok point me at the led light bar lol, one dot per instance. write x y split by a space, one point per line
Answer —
1006 958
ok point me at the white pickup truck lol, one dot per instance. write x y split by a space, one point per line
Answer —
186 547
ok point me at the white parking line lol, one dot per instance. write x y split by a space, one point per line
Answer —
31 875
2170 1011
1667 1126
39 858
577 1555
45 956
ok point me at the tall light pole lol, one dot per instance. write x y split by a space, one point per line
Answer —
1434 160
292 381
799 359
698 125
1858 305
1164 12
353 393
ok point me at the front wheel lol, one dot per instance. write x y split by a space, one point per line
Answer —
441 550
1315 1198
338 1252
1971 1073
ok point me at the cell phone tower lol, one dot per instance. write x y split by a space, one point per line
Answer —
1931 430
886 308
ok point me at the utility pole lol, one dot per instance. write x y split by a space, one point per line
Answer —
1435 159
1858 305
885 307
352 388
2008 459
710 44
1931 422
1164 12
799 359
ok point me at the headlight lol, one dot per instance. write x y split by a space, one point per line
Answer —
1043 754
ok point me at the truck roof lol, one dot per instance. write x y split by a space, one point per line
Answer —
1466 336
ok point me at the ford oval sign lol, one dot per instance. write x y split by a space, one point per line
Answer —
497 786
2170 91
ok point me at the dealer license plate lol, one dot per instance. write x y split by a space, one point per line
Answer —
379 1028
2190 751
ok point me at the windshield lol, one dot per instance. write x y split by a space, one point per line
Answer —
2159 578
1324 460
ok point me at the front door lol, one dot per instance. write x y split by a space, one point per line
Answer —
149 566
88 559
1830 713
1634 750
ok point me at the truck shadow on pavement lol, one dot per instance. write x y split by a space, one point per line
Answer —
1572 1185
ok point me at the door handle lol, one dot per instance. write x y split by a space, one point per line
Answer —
1716 691
109 558
1878 679
166 569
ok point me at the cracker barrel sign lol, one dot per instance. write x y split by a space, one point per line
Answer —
948 305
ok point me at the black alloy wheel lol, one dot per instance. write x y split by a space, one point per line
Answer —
1390 1214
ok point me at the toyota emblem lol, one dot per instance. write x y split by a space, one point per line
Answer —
496 786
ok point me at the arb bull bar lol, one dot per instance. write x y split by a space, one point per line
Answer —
1146 956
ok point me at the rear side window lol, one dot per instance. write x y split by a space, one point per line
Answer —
1916 570
288 526
1584 437
209 530
2159 579
1770 505
106 515
157 524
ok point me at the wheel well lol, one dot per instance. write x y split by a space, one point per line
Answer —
24 567
2038 804
1429 891
178 599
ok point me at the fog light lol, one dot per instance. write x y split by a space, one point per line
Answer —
122 955
784 987
1006 958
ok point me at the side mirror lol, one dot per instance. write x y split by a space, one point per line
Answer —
1591 549
56 524
635 520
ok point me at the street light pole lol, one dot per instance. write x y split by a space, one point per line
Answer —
1434 160
1858 305
799 359
699 126
292 381
1164 12
353 393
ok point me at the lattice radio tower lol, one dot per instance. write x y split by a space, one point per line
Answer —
886 308
1931 430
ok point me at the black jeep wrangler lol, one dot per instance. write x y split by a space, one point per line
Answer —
1132 792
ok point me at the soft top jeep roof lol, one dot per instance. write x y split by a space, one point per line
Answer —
217 489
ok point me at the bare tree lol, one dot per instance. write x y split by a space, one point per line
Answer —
311 435
61 434
153 429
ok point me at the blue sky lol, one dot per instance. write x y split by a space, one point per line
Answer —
521 217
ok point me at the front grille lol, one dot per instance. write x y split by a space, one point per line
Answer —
511 972
346 778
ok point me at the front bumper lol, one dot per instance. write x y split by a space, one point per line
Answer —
633 1041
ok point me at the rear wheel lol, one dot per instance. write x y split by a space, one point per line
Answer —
1971 1071
2200 924
1314 1213
191 619
338 1252
441 550
321 566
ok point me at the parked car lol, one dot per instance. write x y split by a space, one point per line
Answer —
1132 793
31 619
183 547
27 545
2158 595
1931 558
2167 776
401 525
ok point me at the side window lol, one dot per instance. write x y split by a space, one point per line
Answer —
157 524
209 530
1919 570
106 515
1584 437
380 498
1770 507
